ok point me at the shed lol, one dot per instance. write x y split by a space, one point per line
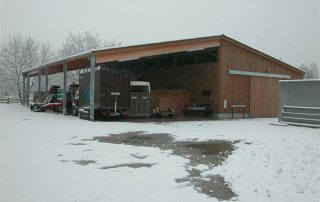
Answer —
216 70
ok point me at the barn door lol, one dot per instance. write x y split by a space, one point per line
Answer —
264 97
260 96
274 98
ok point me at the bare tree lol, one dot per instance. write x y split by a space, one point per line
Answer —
77 43
311 71
14 59
17 54
6 84
38 53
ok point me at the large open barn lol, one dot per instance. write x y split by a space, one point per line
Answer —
218 71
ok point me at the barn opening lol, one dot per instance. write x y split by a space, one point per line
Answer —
180 80
217 71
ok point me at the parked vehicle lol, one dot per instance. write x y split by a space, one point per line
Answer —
51 98
54 101
115 96
139 98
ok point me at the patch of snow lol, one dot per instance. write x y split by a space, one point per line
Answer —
202 167
270 163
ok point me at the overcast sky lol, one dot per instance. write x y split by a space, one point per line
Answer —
287 29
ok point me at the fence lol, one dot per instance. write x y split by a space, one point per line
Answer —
10 100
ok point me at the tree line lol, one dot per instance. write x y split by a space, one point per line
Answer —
311 71
19 53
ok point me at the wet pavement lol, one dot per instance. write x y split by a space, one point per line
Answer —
205 153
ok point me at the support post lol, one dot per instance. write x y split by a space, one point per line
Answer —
92 85
23 91
46 83
65 67
39 86
28 89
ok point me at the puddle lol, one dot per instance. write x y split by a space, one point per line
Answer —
210 153
130 165
211 185
138 156
84 162
76 144
80 162
87 150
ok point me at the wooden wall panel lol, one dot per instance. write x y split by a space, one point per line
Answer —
194 78
260 97
264 97
236 57
216 84
132 52
162 100
274 98
240 91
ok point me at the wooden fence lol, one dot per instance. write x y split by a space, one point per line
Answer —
10 100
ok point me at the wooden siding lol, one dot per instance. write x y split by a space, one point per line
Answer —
264 97
193 78
260 97
162 100
274 99
136 52
240 91
237 89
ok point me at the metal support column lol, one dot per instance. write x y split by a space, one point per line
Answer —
23 102
65 67
28 89
39 86
46 83
92 82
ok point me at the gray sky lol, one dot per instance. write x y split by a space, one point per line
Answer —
287 29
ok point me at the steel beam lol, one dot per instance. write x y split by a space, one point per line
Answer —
92 82
65 67
23 90
39 86
28 90
246 73
46 83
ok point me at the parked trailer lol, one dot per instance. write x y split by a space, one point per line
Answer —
139 98
115 96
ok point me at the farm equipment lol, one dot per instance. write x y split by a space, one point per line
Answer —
201 110
54 101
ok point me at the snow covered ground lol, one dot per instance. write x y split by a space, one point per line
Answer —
41 155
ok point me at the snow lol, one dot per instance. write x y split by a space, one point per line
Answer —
202 167
270 163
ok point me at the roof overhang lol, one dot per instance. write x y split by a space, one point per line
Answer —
126 53
120 54
74 62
